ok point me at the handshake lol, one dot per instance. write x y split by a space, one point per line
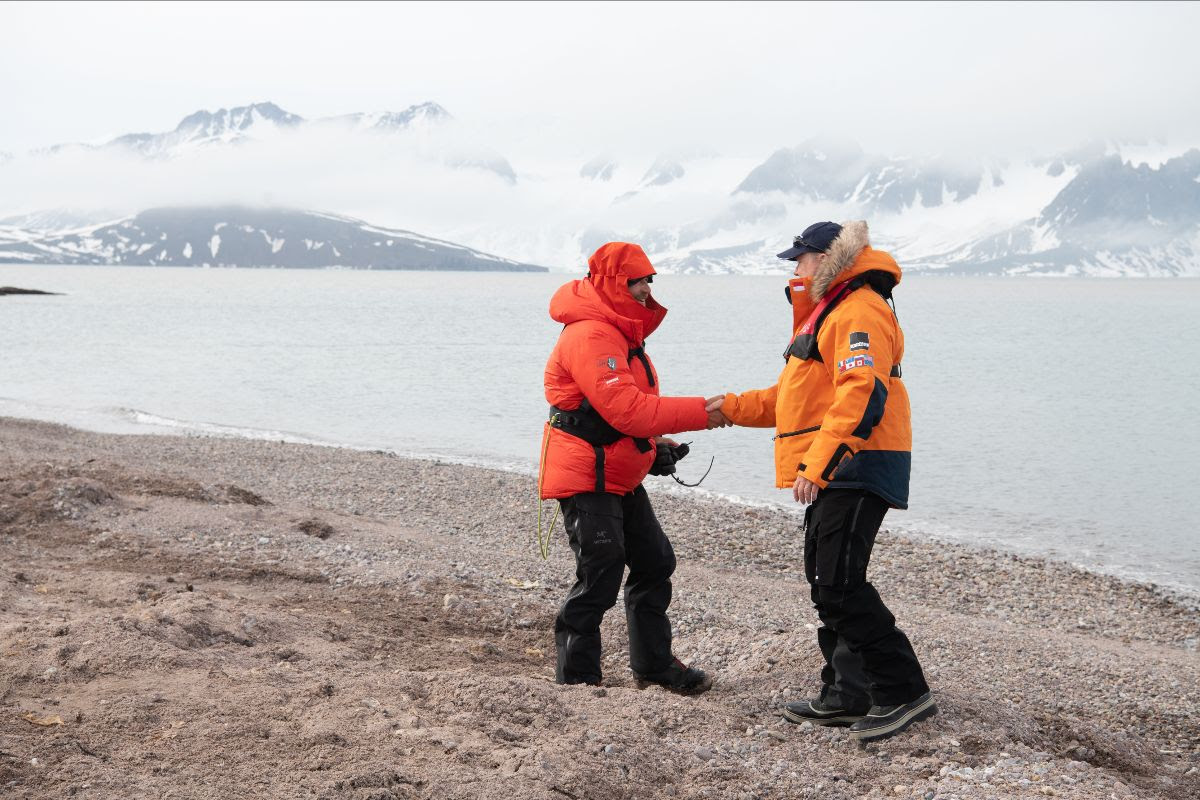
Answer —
716 419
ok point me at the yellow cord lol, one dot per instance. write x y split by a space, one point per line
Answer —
544 544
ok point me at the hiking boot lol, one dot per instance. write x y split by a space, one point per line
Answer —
819 713
579 682
678 678
884 721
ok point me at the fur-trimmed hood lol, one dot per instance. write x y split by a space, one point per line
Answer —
850 254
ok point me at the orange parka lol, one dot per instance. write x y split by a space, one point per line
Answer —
840 410
600 357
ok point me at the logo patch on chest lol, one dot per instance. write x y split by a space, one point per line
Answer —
859 341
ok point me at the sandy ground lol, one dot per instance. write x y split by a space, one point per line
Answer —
209 618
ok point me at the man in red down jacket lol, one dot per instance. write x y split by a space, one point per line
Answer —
600 442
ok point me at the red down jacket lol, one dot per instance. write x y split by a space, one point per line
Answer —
592 360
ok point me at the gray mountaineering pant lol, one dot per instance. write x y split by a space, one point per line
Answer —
608 532
868 660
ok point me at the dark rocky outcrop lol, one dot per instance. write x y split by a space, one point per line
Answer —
15 290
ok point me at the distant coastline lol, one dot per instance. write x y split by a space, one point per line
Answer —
16 290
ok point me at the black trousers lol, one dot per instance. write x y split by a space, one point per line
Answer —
868 660
608 532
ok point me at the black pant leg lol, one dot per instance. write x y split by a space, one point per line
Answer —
844 683
651 562
838 543
594 527
893 671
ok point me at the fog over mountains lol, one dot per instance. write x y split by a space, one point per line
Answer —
268 175
264 122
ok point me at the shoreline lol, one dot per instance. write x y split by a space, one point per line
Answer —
343 623
155 425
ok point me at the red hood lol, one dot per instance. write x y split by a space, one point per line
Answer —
604 294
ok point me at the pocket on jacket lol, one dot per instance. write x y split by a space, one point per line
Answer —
789 453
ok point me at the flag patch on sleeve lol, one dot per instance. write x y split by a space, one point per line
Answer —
859 341
853 362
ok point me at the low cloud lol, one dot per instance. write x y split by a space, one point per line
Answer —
422 181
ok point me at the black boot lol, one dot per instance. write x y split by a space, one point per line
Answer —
678 678
819 712
884 721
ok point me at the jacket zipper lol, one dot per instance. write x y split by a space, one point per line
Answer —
813 429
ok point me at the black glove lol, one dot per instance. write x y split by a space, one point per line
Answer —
665 457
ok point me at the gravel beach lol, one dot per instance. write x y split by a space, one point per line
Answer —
186 617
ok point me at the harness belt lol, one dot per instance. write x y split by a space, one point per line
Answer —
640 354
586 423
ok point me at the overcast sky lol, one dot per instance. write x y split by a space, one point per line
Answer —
579 78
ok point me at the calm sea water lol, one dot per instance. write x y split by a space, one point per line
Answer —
1053 417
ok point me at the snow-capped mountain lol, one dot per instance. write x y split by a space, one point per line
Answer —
1104 208
840 172
421 115
247 237
1093 211
1113 218
600 168
207 129
425 128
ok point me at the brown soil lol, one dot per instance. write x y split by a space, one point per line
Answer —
199 618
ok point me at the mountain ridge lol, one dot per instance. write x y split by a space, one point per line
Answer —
241 236
1101 208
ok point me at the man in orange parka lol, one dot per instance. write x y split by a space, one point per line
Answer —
600 442
843 445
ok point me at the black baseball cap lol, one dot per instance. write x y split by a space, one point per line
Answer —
815 239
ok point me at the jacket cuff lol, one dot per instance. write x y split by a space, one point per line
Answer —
824 467
701 419
811 474
730 408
